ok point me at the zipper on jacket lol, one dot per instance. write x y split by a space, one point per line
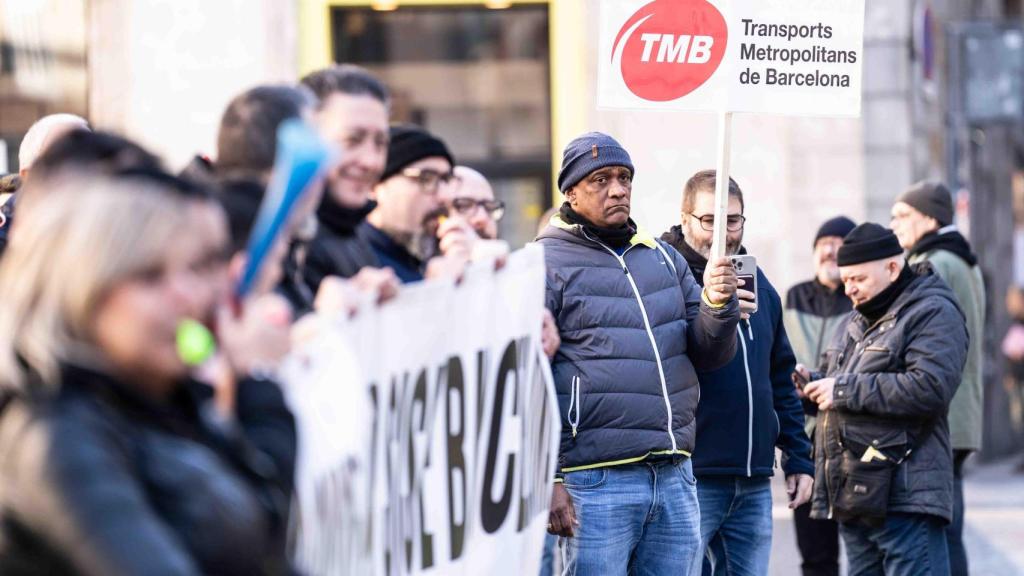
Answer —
824 448
574 400
650 335
750 402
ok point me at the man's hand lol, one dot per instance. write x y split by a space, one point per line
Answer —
820 392
748 302
549 338
562 518
447 267
382 283
260 338
457 238
720 281
799 487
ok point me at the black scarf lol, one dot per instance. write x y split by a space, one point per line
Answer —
340 220
952 241
875 308
613 237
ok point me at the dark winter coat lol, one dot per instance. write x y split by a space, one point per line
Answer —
341 248
895 380
634 330
98 480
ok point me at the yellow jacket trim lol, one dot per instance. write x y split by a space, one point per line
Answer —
641 236
626 461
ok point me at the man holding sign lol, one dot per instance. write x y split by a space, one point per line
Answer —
635 326
747 407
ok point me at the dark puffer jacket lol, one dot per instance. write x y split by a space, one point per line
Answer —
633 329
894 382
99 480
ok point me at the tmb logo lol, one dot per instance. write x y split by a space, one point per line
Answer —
669 48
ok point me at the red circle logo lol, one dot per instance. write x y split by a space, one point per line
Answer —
670 48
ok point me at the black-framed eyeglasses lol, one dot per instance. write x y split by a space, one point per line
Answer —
733 223
428 180
466 206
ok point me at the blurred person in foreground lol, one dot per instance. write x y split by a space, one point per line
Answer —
40 136
114 461
814 309
351 113
884 466
246 150
922 219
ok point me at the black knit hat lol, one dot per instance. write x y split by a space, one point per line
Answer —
839 227
587 153
410 144
867 243
931 199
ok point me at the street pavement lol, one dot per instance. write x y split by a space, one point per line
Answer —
994 531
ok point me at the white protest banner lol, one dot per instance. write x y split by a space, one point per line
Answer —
428 430
766 56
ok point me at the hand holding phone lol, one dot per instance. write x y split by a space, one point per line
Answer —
746 270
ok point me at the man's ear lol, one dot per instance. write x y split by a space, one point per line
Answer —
894 269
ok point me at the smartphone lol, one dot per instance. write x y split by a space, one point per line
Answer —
799 380
746 270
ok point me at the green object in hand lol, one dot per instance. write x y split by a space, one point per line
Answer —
195 342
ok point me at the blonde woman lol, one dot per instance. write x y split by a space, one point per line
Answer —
111 459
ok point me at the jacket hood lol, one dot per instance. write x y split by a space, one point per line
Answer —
927 284
697 262
559 229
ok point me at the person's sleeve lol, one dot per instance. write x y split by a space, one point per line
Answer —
316 266
710 330
934 358
792 438
75 485
268 424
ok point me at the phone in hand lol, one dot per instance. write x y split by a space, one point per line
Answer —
799 380
746 270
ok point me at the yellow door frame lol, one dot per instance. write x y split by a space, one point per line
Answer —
566 41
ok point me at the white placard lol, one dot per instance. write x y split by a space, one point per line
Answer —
799 57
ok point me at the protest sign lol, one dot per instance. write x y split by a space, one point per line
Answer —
765 56
429 430
798 57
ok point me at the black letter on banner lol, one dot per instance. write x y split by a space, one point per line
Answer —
416 473
493 514
456 458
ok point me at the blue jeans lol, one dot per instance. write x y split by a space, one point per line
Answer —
906 545
735 524
547 557
639 519
955 529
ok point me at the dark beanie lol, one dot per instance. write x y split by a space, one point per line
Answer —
589 152
931 199
839 227
410 144
867 243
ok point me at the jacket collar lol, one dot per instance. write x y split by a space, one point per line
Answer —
642 237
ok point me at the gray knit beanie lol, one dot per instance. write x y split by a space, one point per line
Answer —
931 199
